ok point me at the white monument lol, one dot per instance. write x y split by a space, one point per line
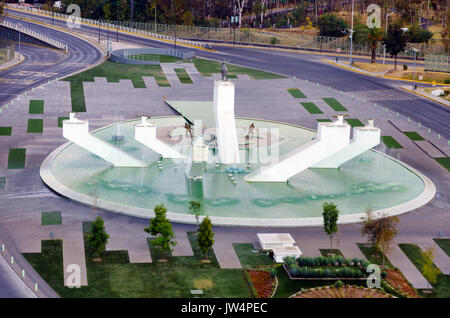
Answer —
77 131
227 140
145 133
330 149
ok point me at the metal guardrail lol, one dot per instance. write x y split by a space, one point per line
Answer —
130 56
114 25
34 34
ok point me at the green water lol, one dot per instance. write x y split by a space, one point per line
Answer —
370 179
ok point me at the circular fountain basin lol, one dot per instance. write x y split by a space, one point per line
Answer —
370 180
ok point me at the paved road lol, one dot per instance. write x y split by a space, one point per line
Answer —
305 66
44 64
10 285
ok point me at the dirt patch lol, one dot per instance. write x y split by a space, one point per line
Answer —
203 283
346 291
397 281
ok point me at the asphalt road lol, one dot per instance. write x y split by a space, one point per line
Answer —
10 285
304 66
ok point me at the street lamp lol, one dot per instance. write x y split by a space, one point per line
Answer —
351 36
385 32
414 76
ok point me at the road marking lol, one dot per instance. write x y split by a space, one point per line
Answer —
16 81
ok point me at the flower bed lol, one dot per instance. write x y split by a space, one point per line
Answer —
326 268
261 283
346 291
398 282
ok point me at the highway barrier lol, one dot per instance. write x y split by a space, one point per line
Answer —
131 56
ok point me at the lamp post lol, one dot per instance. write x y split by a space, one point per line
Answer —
351 36
155 15
414 75
385 32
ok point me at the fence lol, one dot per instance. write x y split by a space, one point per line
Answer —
7 52
135 56
34 34
437 63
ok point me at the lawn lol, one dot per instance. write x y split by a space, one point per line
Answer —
155 57
373 255
373 67
444 244
2 183
333 103
390 142
60 120
413 135
327 252
183 76
116 277
36 106
354 122
311 108
296 93
5 131
441 289
35 125
16 158
249 257
323 120
51 218
208 67
113 73
445 162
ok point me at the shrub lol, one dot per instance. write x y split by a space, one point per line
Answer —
330 25
340 260
274 40
416 34
405 67
289 260
355 261
273 272
348 262
447 81
339 284
384 274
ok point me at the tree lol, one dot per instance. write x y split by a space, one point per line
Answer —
299 15
122 10
380 231
205 237
374 35
188 18
416 34
195 207
98 238
162 229
395 41
330 216
240 6
429 270
330 25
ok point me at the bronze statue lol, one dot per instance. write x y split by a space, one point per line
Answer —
224 71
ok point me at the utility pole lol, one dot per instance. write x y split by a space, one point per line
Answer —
351 36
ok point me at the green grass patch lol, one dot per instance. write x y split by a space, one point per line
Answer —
323 120
441 289
116 277
2 183
354 122
390 142
333 103
35 125
16 158
60 121
296 93
327 252
445 162
155 57
374 255
444 244
36 107
113 73
51 218
413 135
5 131
208 67
311 108
183 76
250 257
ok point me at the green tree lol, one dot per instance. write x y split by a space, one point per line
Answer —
429 270
374 36
330 25
330 217
195 207
205 237
416 34
122 10
299 15
98 238
162 229
107 10
188 18
395 41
